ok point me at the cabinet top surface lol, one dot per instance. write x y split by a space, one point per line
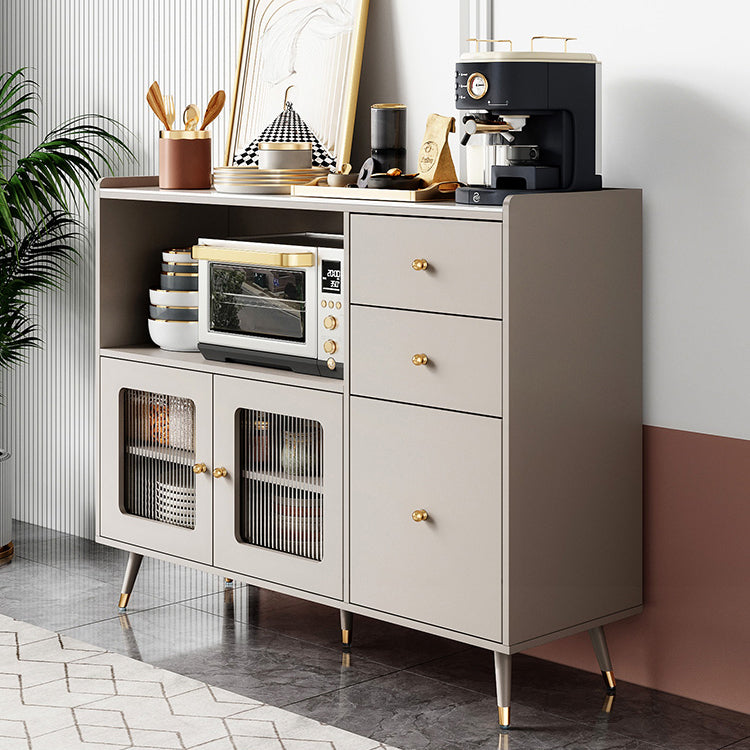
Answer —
138 189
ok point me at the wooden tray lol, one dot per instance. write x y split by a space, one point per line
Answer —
431 193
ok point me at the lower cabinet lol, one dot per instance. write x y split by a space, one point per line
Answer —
240 474
426 524
278 510
155 425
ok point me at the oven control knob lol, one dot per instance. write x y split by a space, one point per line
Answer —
329 322
329 347
331 363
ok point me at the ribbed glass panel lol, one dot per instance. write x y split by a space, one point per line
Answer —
95 56
281 489
159 445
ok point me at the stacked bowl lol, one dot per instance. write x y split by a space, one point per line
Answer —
173 309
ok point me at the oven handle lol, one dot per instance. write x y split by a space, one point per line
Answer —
253 257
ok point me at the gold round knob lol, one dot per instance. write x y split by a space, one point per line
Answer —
329 347
219 472
200 468
329 322
419 359
419 515
331 363
419 264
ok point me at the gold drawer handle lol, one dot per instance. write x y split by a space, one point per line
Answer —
419 359
419 515
200 468
219 472
419 264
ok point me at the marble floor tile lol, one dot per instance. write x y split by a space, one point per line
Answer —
157 578
316 623
419 713
257 663
579 696
243 603
53 598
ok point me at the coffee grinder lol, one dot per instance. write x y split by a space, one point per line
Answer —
532 122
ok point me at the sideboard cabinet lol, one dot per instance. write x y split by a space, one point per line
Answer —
475 474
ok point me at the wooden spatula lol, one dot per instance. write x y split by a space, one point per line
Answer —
155 101
213 109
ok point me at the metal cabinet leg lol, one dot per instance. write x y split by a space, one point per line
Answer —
502 685
599 642
346 628
131 573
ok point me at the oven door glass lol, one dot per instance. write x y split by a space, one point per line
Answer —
257 301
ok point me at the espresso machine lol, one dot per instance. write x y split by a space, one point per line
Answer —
531 122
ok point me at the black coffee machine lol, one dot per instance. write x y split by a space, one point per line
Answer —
532 123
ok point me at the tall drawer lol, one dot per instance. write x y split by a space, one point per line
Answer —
464 359
464 264
446 569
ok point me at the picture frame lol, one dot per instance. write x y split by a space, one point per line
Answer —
299 61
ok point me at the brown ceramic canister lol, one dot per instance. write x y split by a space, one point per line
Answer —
185 160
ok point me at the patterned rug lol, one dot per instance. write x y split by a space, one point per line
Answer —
57 693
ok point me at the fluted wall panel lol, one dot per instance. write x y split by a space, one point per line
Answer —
95 56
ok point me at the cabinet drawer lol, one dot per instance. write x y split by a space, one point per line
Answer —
463 275
464 359
444 570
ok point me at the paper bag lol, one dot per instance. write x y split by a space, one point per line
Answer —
435 163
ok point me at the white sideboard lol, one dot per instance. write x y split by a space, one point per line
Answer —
478 468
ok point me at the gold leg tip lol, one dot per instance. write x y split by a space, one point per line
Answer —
609 679
504 714
124 599
346 637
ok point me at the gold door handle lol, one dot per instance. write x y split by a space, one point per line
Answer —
219 472
200 468
419 359
419 264
419 515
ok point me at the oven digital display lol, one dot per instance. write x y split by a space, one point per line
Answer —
330 276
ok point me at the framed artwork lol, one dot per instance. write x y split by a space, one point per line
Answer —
297 78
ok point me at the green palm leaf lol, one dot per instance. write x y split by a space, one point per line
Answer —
39 193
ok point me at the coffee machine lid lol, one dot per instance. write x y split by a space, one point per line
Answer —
546 57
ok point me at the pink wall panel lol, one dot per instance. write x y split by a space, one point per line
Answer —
693 638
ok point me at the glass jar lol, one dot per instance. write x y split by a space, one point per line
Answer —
300 454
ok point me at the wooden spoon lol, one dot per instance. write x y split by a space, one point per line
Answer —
155 101
213 109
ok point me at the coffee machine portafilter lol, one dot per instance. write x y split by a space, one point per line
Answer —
531 123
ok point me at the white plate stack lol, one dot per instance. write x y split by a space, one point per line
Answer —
175 504
270 181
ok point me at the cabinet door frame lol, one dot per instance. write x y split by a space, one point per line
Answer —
324 577
115 523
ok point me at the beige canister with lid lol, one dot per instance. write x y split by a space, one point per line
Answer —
185 159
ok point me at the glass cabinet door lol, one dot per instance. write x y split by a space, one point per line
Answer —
279 507
155 433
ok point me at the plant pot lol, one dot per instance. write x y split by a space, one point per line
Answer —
6 503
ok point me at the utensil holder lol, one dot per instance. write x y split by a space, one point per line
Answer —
185 160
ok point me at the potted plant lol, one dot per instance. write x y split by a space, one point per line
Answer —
40 193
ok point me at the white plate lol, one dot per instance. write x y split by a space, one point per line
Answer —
170 298
173 256
254 189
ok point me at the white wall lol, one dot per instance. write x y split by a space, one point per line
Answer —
676 121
